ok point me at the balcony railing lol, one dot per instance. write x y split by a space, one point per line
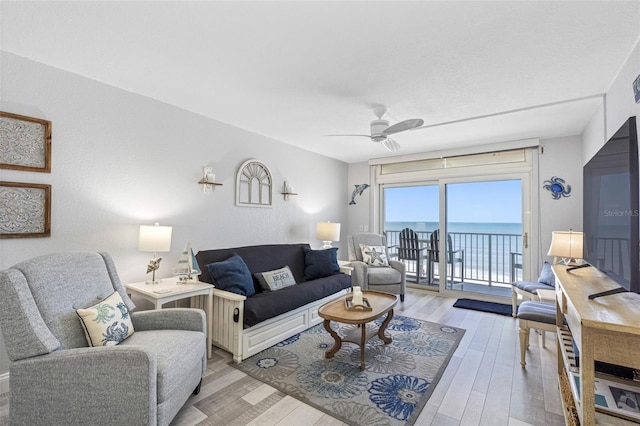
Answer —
488 258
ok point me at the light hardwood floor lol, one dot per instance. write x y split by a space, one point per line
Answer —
482 385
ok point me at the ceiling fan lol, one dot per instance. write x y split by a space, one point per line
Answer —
380 129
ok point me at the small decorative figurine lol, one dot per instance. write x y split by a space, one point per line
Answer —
358 191
557 187
153 266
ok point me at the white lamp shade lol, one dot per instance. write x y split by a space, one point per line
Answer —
154 238
567 244
328 231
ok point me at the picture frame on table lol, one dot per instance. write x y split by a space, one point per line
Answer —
25 210
25 143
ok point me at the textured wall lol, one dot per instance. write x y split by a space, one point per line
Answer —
121 160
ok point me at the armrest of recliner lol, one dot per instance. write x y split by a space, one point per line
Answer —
115 385
170 319
398 266
360 274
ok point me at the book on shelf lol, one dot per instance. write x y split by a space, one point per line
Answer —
613 396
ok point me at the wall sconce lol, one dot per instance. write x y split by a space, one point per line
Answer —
287 190
208 180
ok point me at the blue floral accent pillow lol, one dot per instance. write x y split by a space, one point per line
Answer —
106 323
546 275
232 275
320 263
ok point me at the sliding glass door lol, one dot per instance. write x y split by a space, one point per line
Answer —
470 232
482 250
413 207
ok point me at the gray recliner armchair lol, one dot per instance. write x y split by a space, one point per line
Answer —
56 378
390 279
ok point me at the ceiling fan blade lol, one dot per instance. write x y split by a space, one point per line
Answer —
391 145
366 136
409 124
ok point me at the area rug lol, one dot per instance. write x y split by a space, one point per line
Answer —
397 381
479 305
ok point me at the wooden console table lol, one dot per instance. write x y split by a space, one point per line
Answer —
605 329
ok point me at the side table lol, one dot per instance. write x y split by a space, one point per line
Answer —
170 290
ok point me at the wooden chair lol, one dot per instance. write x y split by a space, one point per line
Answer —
452 256
409 250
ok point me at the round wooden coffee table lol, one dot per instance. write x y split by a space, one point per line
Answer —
381 303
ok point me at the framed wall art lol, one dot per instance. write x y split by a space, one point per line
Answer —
25 210
254 185
25 143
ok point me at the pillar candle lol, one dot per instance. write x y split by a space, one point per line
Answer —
357 296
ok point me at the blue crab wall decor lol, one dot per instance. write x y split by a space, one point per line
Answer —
557 187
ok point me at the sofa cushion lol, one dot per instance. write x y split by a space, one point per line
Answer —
259 259
232 275
106 323
267 305
276 279
320 263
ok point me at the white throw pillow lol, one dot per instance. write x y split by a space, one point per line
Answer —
374 255
106 323
276 279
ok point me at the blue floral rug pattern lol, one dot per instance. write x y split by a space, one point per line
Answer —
396 384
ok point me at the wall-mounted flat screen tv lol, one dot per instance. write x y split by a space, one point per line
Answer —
611 210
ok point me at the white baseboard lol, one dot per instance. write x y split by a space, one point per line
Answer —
4 383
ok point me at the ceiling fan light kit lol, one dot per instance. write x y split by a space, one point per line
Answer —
380 129
377 130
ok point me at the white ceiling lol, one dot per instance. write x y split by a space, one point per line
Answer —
477 72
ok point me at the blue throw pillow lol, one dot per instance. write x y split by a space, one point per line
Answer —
232 275
320 263
546 275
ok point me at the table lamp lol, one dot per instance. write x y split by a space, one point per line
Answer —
327 232
567 245
154 238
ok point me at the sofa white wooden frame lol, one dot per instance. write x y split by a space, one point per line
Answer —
229 334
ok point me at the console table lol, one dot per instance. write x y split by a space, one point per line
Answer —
605 329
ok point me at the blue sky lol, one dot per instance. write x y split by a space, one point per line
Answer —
479 202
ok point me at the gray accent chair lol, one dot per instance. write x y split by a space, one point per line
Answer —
390 279
55 378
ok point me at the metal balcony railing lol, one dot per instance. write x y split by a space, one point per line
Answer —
488 258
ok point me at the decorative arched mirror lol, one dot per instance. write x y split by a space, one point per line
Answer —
254 185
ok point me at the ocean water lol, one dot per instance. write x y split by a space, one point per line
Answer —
487 246
466 227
